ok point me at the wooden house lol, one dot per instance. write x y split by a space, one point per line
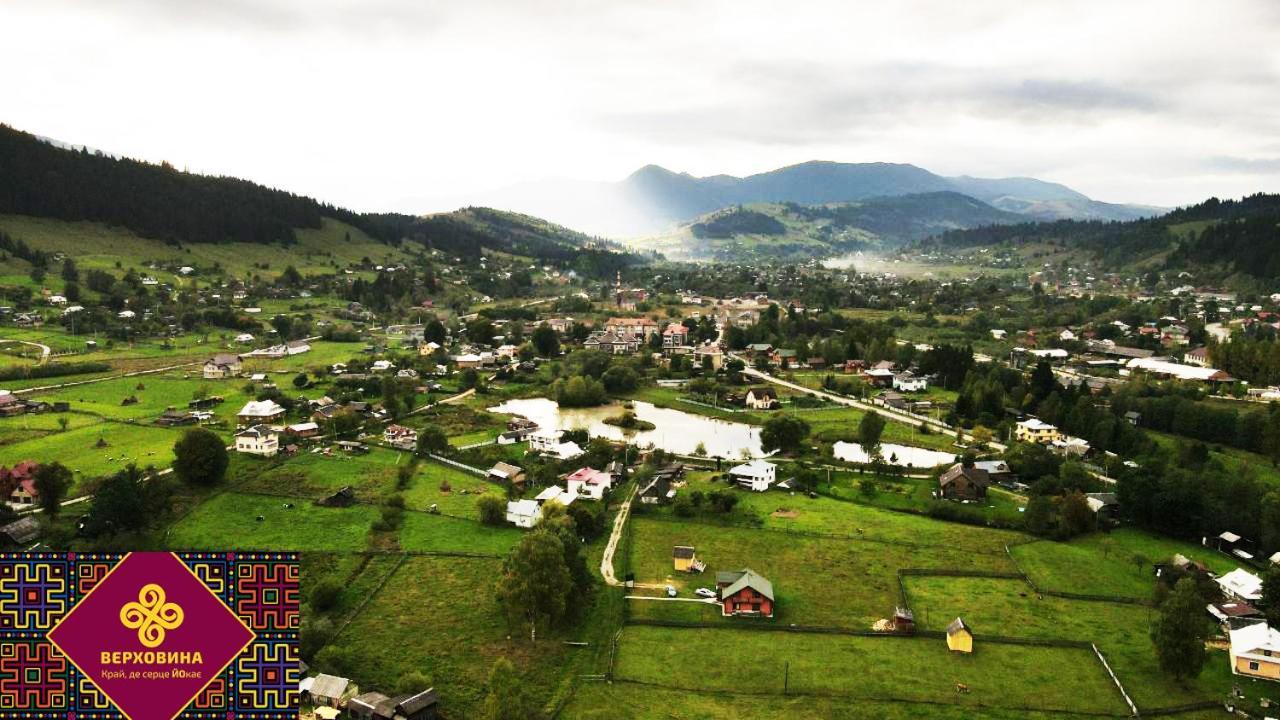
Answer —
507 473
744 593
683 557
959 637
963 481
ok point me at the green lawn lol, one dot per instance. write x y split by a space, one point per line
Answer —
422 531
1013 677
1010 608
439 616
804 570
1108 563
229 520
77 448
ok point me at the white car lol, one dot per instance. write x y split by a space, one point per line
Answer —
671 591
705 592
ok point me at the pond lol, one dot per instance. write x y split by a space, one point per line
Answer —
675 431
900 455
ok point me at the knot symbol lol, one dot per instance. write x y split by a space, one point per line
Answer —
151 616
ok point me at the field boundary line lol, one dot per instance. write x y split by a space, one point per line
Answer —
368 598
1123 693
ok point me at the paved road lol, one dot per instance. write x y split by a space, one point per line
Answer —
888 413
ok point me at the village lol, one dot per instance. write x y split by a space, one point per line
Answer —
976 462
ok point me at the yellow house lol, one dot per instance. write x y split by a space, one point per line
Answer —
1036 431
1255 652
683 557
959 638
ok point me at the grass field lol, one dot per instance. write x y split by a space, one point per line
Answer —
1009 607
1117 563
229 520
1013 677
430 610
77 448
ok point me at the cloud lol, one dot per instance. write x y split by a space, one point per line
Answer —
1244 165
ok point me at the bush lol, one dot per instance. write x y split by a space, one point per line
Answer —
325 595
493 511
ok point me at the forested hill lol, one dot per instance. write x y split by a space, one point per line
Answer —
155 201
1215 238
43 180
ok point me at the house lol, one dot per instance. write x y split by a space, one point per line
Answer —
399 436
892 399
1033 430
761 399
222 366
325 690
639 327
744 593
1241 585
998 471
11 405
258 440
365 706
423 705
1255 651
548 442
959 637
257 412
588 482
506 473
22 531
467 361
19 482
964 481
657 491
1232 612
1133 417
1198 357
756 475
1104 505
712 351
381 366
428 348
879 377
674 336
524 513
302 431
908 381
612 343
172 417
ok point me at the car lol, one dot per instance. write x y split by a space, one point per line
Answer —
705 592
671 591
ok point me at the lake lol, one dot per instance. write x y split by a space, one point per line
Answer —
902 455
675 430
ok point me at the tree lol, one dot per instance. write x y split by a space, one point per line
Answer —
1179 633
1077 518
784 433
52 481
300 380
1038 516
620 379
412 683
125 503
432 440
200 458
1270 602
509 697
535 584
492 509
545 341
325 595
435 332
869 431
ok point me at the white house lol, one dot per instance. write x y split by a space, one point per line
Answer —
1241 585
998 334
57 300
524 513
589 482
909 382
382 366
761 398
756 475
256 412
1255 651
548 442
244 338
1035 430
222 366
399 436
557 493
258 440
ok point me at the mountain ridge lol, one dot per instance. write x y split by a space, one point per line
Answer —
654 199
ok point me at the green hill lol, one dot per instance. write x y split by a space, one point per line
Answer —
794 231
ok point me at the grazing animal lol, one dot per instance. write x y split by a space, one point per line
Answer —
962 688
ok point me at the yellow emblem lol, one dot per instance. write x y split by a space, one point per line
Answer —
151 616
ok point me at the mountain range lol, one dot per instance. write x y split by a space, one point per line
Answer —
653 200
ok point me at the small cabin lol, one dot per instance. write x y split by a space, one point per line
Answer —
959 637
683 557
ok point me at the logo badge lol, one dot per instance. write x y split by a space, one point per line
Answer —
151 636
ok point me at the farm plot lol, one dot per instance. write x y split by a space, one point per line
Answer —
230 520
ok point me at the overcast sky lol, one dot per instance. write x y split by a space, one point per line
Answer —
400 104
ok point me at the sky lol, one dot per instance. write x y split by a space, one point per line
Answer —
420 105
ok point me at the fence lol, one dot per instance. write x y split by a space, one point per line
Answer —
457 465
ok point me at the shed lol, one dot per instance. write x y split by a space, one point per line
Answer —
23 530
683 557
328 689
959 637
